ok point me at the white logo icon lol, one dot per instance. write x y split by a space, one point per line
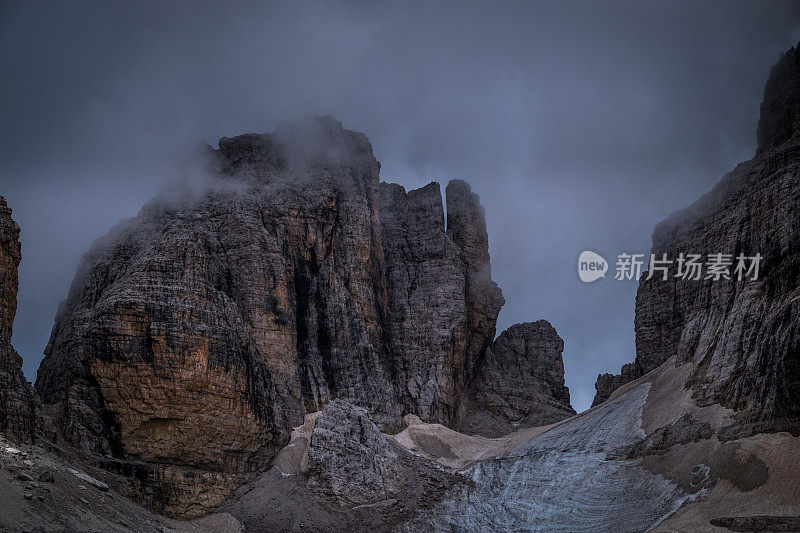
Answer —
591 266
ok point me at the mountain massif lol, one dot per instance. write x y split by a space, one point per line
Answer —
197 335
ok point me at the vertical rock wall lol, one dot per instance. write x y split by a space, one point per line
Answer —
17 402
427 311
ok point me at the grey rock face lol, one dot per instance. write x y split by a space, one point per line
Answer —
520 382
780 110
17 401
196 335
427 310
466 225
742 335
349 459
352 463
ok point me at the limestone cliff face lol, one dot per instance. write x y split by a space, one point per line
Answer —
17 402
742 335
196 335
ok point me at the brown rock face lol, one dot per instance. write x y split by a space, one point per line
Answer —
196 335
17 402
742 335
10 256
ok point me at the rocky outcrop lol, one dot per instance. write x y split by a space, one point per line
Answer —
742 335
17 401
685 430
352 463
198 334
606 384
520 382
10 256
350 460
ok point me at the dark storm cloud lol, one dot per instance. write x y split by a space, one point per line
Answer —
580 124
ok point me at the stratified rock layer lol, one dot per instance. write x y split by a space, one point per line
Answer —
196 335
17 402
742 335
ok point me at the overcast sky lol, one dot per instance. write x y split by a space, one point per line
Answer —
581 125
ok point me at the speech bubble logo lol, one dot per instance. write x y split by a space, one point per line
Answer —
591 266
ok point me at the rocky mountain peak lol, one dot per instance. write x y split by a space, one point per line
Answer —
519 382
313 143
780 109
